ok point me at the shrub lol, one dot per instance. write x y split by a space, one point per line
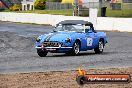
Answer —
40 4
16 7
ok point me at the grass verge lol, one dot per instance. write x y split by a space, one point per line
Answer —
69 12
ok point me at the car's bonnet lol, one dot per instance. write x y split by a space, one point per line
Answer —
59 36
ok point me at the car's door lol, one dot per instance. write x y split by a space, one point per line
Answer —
91 38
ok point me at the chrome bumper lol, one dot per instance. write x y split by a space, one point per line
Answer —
53 47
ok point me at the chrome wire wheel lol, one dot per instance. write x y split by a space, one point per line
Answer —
76 48
101 46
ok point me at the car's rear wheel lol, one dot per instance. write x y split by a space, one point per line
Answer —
100 47
42 52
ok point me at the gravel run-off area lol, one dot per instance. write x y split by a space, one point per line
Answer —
21 67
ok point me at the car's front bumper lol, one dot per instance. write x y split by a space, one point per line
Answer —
55 49
52 47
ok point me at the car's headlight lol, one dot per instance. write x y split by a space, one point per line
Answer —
68 40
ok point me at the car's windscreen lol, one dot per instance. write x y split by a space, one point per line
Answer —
70 28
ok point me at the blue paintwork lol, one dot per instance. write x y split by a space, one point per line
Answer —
73 36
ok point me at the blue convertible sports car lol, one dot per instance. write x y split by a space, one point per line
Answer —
71 37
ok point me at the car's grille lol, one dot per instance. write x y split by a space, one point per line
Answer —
51 44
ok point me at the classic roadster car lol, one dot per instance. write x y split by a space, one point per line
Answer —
71 37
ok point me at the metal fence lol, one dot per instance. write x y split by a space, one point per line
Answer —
79 10
57 6
114 6
127 6
127 1
83 10
120 6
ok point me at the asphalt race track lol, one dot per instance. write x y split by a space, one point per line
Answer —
17 52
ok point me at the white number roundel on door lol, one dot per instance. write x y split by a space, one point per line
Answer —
89 41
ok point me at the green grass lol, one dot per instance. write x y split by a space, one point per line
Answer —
125 12
119 13
109 12
55 12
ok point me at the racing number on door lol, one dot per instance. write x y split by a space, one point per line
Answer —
89 41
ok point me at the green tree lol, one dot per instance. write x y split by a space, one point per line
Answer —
40 4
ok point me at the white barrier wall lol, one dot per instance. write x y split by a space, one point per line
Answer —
103 23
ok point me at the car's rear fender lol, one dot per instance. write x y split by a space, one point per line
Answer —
102 35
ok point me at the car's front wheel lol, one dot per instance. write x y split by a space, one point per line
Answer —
41 52
100 47
76 48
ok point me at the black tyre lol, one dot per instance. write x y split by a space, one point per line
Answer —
42 53
81 80
76 48
100 47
